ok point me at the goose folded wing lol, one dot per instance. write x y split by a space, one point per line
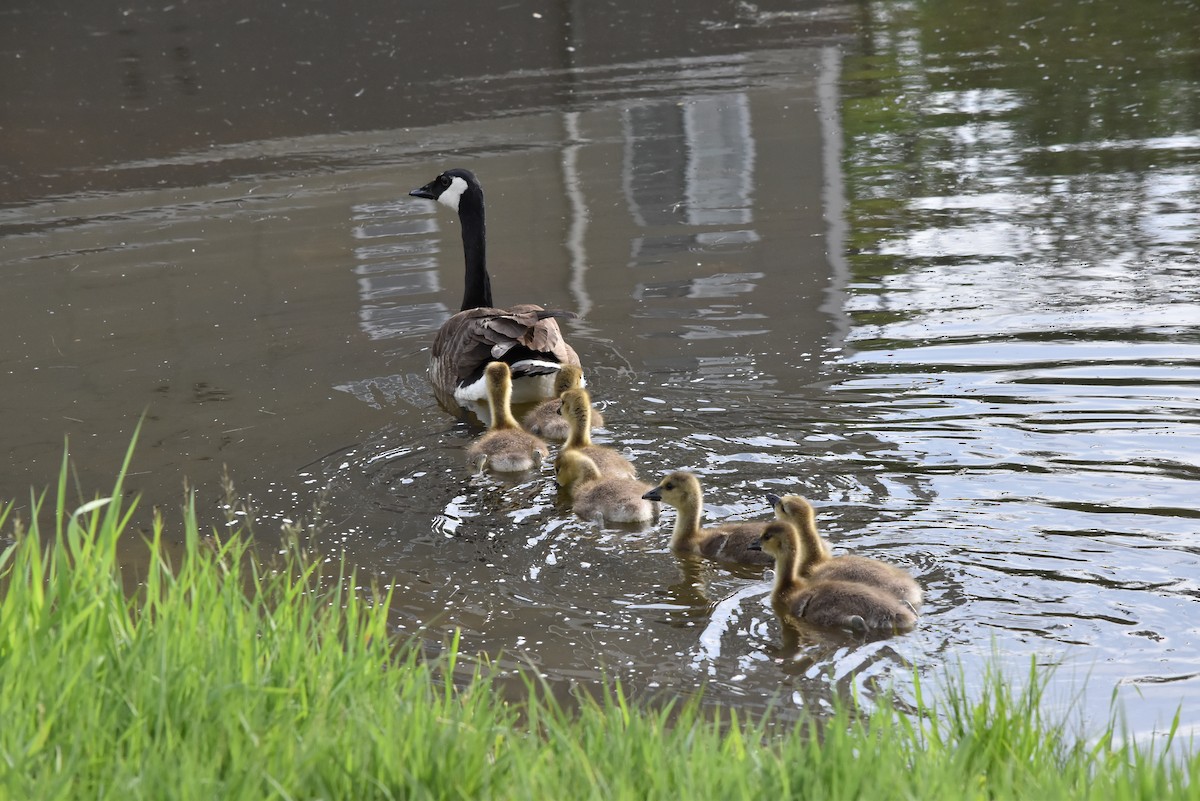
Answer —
522 330
491 335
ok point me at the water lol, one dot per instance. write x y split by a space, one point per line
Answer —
928 265
1025 329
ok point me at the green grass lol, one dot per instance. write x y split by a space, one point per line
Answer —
230 676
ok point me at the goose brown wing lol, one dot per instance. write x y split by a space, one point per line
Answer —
530 327
474 337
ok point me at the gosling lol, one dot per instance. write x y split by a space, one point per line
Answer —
817 563
826 602
577 411
544 419
504 447
728 542
615 499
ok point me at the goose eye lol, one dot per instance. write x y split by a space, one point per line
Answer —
669 485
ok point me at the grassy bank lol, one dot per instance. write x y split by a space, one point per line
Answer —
224 677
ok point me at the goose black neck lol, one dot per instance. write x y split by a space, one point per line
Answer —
477 287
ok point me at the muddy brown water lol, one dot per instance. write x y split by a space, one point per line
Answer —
814 249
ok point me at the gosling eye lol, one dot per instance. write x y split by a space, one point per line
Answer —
669 485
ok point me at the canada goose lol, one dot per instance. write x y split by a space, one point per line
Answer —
728 542
577 411
525 336
544 419
826 602
505 447
817 563
615 499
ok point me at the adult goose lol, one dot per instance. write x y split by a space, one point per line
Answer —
524 336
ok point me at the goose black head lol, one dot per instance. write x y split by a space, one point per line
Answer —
449 187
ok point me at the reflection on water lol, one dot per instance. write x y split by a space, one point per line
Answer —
1023 333
690 163
978 357
397 260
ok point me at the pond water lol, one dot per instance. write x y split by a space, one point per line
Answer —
928 264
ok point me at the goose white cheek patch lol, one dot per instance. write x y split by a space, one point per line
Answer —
453 193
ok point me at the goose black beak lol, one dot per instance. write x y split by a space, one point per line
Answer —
425 192
773 499
755 546
653 495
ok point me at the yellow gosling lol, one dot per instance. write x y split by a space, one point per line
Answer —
577 411
504 447
544 419
817 563
612 499
728 542
829 603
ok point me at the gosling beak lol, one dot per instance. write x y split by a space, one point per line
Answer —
773 499
755 546
653 495
425 192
